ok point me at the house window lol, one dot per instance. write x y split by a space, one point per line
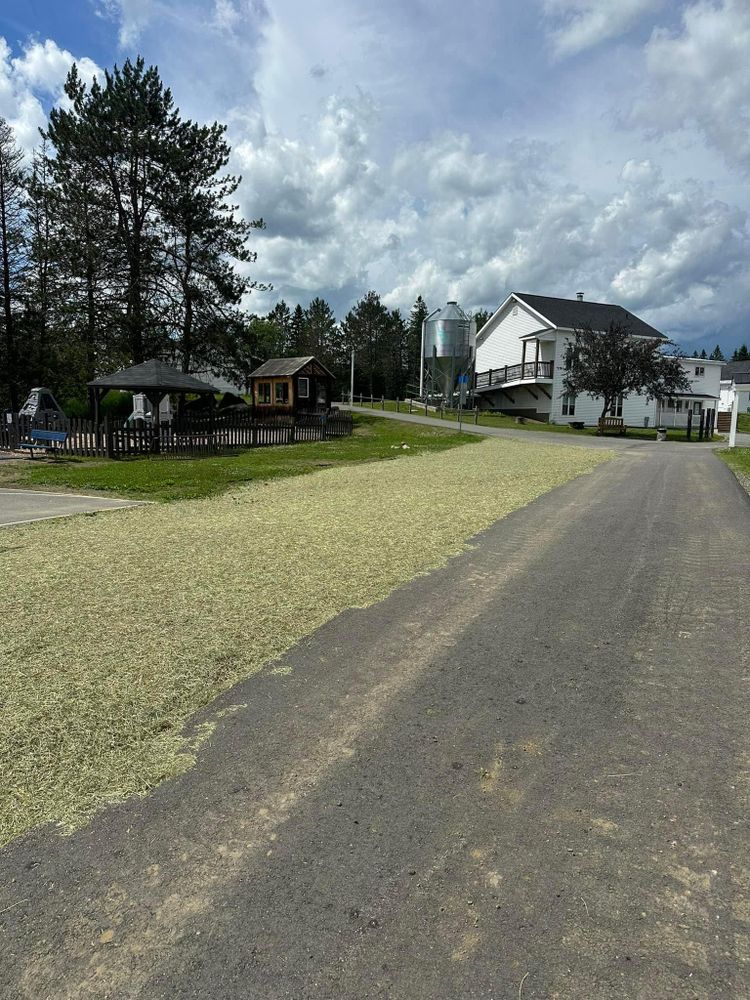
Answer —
697 408
282 392
615 407
568 406
264 394
700 370
303 388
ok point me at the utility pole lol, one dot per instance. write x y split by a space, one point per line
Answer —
351 383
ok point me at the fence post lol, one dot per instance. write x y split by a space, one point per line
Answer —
108 442
382 402
397 409
689 424
410 402
700 426
425 406
476 415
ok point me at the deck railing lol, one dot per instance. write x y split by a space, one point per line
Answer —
513 373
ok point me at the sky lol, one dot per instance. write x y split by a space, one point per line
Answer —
453 150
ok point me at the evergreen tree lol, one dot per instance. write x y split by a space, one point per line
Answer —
40 288
203 236
320 331
127 133
297 332
703 354
480 317
13 260
741 353
395 355
716 354
365 329
419 313
281 317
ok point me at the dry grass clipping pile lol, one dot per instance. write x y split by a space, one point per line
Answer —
116 628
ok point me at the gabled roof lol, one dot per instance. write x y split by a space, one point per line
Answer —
280 367
153 374
736 371
572 314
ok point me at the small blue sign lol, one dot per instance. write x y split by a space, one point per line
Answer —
463 379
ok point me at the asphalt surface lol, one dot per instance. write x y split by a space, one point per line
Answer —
20 506
524 775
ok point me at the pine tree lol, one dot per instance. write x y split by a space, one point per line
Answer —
364 330
320 331
419 313
741 353
716 354
297 332
13 258
281 317
40 288
703 356
480 317
203 237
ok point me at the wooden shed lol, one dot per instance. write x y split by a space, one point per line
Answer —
291 386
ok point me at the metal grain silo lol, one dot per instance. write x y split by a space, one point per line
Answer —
448 342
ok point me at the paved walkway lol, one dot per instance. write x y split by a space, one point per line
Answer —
20 506
548 437
524 775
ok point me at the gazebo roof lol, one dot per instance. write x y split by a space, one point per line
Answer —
150 375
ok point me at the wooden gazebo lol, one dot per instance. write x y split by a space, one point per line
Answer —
153 378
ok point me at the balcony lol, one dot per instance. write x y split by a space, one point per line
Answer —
531 371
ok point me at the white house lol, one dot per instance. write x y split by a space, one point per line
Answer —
735 396
520 363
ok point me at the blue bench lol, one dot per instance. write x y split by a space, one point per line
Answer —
44 441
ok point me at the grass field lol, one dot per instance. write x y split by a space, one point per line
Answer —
743 423
502 420
738 460
178 479
118 628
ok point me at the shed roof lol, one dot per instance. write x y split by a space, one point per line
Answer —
572 314
153 374
287 366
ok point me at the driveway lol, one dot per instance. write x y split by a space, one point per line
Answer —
609 441
19 506
522 776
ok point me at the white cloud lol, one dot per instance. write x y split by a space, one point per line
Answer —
132 15
41 69
577 25
700 78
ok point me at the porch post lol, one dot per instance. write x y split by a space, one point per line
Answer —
536 361
733 425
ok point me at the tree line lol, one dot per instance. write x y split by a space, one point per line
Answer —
119 240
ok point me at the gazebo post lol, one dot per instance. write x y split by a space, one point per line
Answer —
155 397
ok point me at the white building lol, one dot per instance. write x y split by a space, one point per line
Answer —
520 364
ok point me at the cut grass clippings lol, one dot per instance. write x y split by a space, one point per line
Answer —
116 629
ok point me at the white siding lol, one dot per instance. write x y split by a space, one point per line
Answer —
502 345
708 383
635 409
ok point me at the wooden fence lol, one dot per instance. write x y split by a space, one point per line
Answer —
190 437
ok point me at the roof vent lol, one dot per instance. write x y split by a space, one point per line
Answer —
579 296
452 302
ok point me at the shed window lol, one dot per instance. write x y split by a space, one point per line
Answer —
700 370
282 392
615 407
303 388
569 406
264 393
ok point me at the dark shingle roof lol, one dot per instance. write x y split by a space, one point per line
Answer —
739 371
153 374
572 314
285 366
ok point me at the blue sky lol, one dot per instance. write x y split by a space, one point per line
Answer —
453 150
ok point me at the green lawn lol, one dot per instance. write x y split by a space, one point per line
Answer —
738 460
503 420
181 479
118 628
743 423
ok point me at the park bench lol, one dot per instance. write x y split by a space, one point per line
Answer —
44 441
611 424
